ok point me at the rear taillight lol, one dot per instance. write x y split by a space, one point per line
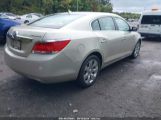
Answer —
50 47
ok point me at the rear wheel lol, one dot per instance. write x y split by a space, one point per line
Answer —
89 71
136 51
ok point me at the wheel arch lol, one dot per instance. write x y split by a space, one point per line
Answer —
97 53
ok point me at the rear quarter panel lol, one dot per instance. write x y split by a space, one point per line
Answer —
83 43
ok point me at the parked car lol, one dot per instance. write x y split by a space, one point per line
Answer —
8 15
3 16
70 46
28 18
150 24
5 24
133 22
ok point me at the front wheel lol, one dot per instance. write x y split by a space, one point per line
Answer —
136 51
89 71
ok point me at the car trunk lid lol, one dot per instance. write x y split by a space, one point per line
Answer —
21 40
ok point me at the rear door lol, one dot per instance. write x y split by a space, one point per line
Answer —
128 39
110 39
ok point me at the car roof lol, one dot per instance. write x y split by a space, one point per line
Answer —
151 13
33 13
90 13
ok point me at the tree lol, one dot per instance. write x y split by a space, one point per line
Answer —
53 6
129 15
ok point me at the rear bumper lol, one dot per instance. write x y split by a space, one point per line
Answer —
150 35
46 69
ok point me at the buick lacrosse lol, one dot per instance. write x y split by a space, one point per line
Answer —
70 46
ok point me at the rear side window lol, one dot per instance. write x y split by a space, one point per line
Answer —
151 19
29 16
95 25
55 21
122 25
107 23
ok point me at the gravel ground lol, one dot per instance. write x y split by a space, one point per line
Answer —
129 88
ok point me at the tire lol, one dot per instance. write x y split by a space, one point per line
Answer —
136 50
89 71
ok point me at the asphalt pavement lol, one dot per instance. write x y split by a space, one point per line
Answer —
129 88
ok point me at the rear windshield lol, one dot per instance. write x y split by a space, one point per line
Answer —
151 19
55 21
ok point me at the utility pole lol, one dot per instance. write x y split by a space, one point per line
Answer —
77 6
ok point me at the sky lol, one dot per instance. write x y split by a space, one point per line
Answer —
136 6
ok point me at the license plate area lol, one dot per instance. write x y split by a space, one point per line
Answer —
16 44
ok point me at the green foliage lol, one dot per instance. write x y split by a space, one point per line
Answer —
53 6
129 15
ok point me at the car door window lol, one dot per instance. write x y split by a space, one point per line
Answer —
95 25
29 16
122 25
107 23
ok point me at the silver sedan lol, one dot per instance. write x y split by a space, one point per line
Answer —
70 46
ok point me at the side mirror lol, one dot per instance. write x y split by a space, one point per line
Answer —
134 29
